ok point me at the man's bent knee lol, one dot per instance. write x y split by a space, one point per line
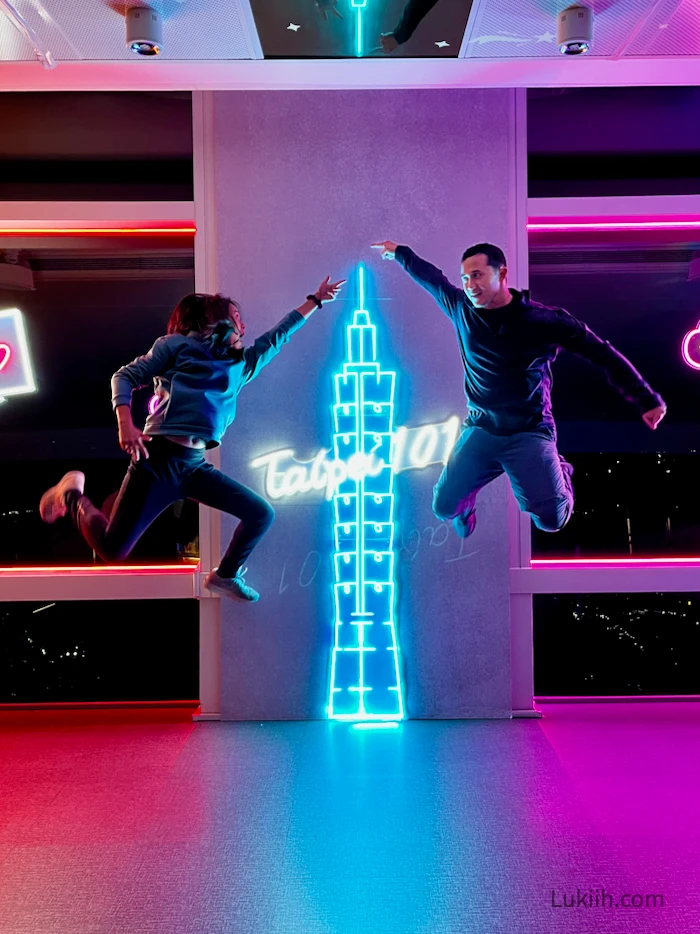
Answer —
552 515
444 509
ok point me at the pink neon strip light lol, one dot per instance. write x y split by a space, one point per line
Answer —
106 569
645 224
612 562
102 231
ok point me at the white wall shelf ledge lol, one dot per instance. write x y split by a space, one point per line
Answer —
128 582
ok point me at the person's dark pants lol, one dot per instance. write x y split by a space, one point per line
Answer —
538 474
171 473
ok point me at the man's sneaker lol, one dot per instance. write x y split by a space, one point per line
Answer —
233 587
53 502
465 523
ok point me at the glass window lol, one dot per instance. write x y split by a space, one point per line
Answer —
90 312
629 506
635 489
96 146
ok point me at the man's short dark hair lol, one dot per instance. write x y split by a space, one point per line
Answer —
495 256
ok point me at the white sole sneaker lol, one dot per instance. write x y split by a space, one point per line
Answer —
235 588
52 505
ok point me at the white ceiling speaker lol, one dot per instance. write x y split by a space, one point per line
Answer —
575 30
144 31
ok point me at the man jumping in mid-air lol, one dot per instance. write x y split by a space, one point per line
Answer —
508 344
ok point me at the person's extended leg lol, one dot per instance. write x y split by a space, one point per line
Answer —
149 487
213 488
541 479
473 463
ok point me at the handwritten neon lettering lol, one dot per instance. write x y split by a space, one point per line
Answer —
412 449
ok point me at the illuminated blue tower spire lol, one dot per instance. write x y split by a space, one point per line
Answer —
365 676
359 6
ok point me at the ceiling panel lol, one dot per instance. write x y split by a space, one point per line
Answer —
491 43
94 30
673 30
14 45
501 29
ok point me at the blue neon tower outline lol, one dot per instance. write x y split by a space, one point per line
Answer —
365 680
358 6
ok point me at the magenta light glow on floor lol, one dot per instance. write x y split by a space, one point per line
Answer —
469 827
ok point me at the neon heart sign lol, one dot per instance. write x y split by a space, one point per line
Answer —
690 348
16 373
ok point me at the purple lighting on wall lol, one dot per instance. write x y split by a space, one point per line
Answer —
640 223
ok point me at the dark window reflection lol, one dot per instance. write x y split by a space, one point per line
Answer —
26 540
81 329
629 505
336 29
616 644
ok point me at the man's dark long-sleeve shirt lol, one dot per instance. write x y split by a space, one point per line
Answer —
508 353
413 13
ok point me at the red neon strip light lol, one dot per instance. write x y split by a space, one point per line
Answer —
690 224
106 569
612 562
102 231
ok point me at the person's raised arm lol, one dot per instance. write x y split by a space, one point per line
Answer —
413 13
269 344
432 279
576 337
136 375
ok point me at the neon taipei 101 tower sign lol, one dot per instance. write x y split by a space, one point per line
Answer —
365 674
356 475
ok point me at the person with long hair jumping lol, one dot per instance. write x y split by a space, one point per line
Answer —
198 369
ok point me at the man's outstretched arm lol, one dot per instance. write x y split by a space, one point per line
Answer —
576 337
414 12
433 280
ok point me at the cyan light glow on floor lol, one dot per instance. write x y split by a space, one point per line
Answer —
365 674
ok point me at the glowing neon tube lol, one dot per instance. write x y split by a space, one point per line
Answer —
365 682
358 6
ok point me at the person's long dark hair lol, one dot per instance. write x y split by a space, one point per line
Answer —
200 312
